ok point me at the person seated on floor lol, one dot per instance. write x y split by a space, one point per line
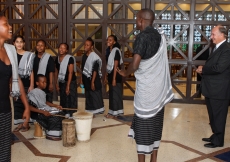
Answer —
44 112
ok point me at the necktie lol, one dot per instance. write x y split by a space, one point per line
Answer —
214 49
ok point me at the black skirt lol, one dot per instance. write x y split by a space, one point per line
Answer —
52 124
94 102
19 110
115 100
69 101
5 137
147 132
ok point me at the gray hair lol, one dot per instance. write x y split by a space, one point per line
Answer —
223 30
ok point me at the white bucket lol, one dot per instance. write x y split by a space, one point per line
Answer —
83 122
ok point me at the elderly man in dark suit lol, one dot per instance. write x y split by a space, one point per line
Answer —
215 86
203 56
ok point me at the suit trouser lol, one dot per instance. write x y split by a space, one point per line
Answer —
198 78
217 111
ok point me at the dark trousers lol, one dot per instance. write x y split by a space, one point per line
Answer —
217 111
198 85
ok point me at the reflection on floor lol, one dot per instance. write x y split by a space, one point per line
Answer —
184 126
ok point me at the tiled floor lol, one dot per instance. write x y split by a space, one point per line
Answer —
184 126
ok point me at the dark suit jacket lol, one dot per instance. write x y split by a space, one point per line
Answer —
215 82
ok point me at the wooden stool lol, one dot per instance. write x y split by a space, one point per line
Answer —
38 133
68 132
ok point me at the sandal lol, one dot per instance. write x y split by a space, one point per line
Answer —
18 128
109 116
25 129
53 139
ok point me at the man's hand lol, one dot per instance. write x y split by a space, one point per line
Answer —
122 72
199 69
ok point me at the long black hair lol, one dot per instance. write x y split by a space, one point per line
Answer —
18 36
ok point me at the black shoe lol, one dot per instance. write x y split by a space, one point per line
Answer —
211 145
198 95
206 139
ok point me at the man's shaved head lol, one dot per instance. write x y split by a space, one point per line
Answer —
145 17
147 14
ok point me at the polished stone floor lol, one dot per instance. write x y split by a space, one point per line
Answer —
184 126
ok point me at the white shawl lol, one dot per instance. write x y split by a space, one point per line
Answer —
38 97
12 54
110 62
26 64
91 60
63 67
43 64
153 83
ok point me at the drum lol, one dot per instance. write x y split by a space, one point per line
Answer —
68 132
38 133
83 125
